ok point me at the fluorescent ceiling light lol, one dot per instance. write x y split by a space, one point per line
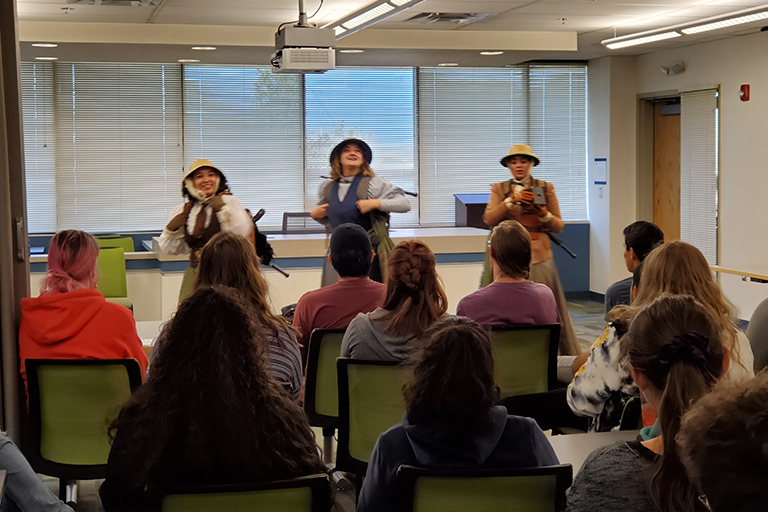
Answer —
45 45
448 64
351 51
616 43
46 58
491 53
370 14
204 48
188 61
726 23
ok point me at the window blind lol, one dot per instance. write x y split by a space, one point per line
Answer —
699 171
248 122
39 146
118 145
372 104
470 117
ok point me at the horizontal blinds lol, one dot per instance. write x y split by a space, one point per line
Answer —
118 145
464 128
698 171
248 121
373 104
39 146
549 113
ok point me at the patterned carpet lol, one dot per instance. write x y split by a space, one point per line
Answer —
588 319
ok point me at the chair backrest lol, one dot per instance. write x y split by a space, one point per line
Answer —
71 405
112 281
525 358
124 242
308 493
540 489
757 332
300 222
370 402
321 392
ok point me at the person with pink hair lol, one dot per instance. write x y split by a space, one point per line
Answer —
71 319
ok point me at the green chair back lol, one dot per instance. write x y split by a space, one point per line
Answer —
530 489
525 358
308 494
370 402
112 280
124 242
71 405
321 392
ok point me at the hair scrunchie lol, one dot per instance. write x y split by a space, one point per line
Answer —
692 347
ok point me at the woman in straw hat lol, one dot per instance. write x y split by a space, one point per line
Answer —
533 204
355 194
209 209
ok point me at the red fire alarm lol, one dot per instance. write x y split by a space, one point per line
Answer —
744 92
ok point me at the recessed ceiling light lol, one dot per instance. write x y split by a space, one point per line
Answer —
206 48
188 61
448 64
45 45
46 58
491 53
351 51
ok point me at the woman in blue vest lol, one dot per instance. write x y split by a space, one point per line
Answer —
355 194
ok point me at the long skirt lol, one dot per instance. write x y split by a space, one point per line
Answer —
187 284
546 273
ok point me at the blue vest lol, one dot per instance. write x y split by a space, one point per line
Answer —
340 212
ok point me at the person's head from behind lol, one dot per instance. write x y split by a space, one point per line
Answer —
414 297
723 442
453 378
210 402
230 260
674 353
71 262
510 250
351 251
639 239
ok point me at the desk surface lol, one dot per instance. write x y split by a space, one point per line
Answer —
575 448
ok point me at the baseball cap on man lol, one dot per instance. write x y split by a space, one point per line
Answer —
351 250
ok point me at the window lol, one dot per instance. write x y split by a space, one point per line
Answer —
118 145
375 105
107 144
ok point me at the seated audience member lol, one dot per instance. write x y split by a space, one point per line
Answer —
71 319
639 239
414 300
22 489
723 442
675 356
209 412
451 421
333 307
230 260
511 298
602 387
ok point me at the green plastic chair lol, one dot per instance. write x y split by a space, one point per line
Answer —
370 402
72 402
321 390
112 282
525 490
525 358
303 494
124 242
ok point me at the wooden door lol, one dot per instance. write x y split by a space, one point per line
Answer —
666 172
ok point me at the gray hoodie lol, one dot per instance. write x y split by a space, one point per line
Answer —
365 338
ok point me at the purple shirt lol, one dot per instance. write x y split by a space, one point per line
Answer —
525 302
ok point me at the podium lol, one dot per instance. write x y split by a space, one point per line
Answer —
469 210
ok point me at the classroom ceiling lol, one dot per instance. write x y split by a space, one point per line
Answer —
243 30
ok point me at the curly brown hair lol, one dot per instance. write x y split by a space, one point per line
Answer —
414 299
209 412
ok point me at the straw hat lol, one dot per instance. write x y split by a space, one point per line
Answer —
520 150
197 164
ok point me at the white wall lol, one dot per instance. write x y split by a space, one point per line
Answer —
613 133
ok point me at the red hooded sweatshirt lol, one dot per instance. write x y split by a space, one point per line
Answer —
77 325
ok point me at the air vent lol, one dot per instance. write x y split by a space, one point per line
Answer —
457 18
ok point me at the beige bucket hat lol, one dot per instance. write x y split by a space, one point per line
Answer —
197 164
520 150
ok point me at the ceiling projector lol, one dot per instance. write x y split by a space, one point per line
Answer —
304 49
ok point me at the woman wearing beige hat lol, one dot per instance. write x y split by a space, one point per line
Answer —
210 208
533 204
